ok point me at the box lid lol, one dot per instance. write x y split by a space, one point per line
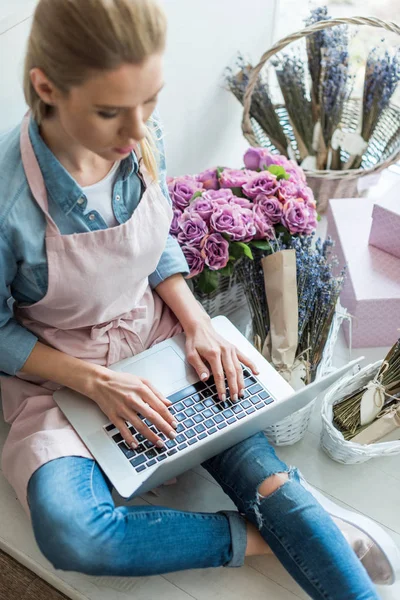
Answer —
374 274
390 201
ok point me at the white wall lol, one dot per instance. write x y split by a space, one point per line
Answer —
201 119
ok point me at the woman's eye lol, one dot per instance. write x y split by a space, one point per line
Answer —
152 101
107 114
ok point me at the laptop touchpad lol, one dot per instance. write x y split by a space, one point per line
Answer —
163 368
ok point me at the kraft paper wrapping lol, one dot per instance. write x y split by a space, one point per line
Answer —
385 429
281 290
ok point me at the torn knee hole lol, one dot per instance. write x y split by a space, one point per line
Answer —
272 483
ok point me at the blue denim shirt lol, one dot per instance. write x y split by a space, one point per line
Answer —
23 261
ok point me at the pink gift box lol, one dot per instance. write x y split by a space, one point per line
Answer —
371 292
385 230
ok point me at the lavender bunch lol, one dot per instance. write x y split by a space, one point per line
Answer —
382 75
314 44
292 81
318 293
262 108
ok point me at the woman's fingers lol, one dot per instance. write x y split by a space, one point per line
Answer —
126 434
214 358
239 373
231 373
247 362
163 420
199 366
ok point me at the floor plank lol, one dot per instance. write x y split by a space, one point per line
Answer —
18 583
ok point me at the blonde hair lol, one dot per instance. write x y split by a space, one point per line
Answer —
70 39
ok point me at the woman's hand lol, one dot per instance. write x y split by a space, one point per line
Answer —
205 346
121 396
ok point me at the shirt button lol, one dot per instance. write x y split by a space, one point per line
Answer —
81 200
92 217
118 198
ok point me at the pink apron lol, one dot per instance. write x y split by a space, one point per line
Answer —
99 307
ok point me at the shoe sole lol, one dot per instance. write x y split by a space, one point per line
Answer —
374 531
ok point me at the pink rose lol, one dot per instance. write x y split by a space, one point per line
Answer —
288 189
193 229
182 190
297 217
203 207
224 194
215 251
307 194
194 259
261 183
272 207
253 156
226 219
209 179
247 217
232 178
242 202
262 223
175 229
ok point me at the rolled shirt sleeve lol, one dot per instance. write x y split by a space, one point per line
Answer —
16 342
172 260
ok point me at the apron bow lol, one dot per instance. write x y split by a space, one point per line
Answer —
122 326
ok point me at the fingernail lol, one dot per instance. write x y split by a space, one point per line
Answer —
134 445
241 393
174 424
204 376
235 397
160 444
223 397
172 434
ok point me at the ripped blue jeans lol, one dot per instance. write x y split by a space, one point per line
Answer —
78 527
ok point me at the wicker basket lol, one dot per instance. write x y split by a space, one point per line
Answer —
332 441
227 298
383 148
291 429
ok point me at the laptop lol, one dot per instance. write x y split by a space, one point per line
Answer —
206 425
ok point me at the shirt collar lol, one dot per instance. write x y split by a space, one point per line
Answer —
62 188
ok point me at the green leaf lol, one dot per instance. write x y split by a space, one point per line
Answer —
208 281
196 195
226 271
219 171
246 250
278 171
261 244
319 218
237 191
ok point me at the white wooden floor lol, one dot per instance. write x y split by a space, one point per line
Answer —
372 488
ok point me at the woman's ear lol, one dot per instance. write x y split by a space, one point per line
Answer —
44 88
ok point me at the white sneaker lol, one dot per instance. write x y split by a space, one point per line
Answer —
376 550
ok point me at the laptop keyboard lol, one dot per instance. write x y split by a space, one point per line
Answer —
199 414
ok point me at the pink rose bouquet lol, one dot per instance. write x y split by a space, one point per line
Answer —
223 214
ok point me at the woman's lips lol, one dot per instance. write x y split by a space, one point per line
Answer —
125 150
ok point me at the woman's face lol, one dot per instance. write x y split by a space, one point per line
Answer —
107 114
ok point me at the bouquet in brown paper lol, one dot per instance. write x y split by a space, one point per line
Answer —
372 413
292 293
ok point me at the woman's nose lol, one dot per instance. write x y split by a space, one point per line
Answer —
134 128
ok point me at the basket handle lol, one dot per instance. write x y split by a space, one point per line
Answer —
372 21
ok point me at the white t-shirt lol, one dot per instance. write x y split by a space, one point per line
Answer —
99 196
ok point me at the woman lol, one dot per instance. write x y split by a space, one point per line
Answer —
85 252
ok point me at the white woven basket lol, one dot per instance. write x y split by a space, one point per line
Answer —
228 297
332 441
291 429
